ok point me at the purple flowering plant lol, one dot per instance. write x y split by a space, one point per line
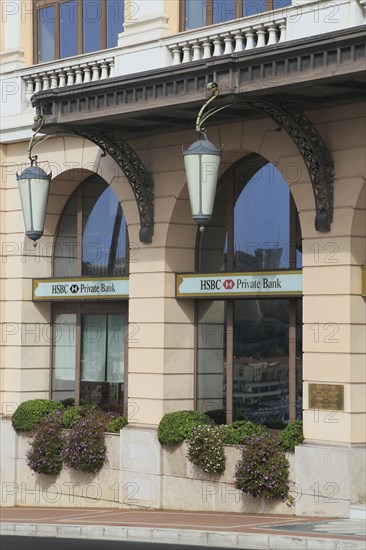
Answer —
263 469
84 448
44 455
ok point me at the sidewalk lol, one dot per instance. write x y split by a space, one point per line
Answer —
227 530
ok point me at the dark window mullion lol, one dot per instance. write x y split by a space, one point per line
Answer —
238 8
80 38
103 23
57 31
209 12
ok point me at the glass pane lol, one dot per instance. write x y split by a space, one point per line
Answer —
195 14
93 347
104 232
223 10
211 356
65 255
261 223
261 360
68 29
46 34
116 351
213 241
92 18
102 359
253 7
64 356
115 21
281 3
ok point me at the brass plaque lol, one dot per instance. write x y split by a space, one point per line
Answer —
327 397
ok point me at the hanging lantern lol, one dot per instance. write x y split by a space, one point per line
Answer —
34 185
202 164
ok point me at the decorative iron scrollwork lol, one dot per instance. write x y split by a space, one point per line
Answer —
313 150
132 166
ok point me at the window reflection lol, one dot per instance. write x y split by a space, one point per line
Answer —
102 358
64 357
102 245
46 34
92 16
65 253
223 11
195 14
68 29
254 7
261 224
281 4
261 359
115 19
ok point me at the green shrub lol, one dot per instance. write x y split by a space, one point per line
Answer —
175 427
29 413
237 432
291 436
44 455
206 448
262 470
117 424
71 415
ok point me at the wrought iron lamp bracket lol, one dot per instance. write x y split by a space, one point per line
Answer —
116 147
312 148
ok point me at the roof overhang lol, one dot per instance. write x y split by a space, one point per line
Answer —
317 72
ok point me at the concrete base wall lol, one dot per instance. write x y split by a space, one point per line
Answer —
140 473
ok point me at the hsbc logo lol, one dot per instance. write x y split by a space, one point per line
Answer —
228 284
217 284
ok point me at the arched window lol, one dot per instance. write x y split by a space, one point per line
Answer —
88 362
91 238
249 358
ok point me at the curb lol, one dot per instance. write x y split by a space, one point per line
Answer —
168 536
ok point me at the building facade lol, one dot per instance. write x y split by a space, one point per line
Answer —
124 301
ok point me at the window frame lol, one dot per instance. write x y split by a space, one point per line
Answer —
209 12
39 4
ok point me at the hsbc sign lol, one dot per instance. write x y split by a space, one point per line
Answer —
268 283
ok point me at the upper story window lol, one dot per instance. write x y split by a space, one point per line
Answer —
199 13
67 28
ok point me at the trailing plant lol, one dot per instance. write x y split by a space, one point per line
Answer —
262 470
176 426
291 436
84 447
29 413
206 448
237 432
44 455
117 424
